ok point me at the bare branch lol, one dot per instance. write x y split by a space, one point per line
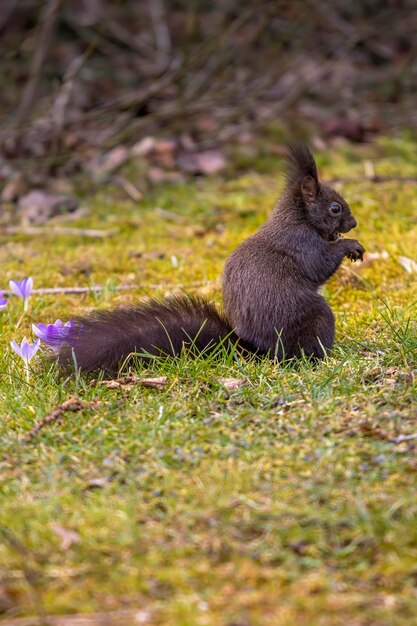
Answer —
44 38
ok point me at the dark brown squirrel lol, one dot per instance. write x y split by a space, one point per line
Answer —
270 289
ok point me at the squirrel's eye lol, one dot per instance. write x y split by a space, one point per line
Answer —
335 208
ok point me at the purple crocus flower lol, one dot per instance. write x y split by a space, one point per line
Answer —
22 289
26 351
53 334
3 301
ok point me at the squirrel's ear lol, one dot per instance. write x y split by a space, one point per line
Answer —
309 189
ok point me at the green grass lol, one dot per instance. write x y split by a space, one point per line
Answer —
291 500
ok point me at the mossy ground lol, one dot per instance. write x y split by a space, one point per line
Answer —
289 500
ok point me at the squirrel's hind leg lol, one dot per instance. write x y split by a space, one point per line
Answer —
318 337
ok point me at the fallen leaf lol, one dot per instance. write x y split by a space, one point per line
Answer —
154 383
13 189
163 152
208 162
157 176
67 536
97 483
113 384
143 147
36 207
127 382
62 186
105 164
187 142
142 617
352 129
232 384
376 256
409 265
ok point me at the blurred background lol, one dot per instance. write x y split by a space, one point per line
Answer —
185 87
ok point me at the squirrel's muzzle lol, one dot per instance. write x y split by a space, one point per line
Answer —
349 224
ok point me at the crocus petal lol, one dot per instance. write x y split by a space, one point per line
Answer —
53 334
36 346
22 289
29 349
15 288
28 286
39 330
26 350
16 347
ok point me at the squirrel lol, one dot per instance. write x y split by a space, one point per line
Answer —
271 282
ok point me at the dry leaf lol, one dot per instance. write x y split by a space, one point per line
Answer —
160 151
341 126
143 147
208 162
98 483
163 153
67 536
127 382
113 384
36 207
105 164
409 265
13 189
154 383
142 617
232 384
157 176
377 256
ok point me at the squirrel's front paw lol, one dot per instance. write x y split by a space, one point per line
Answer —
355 251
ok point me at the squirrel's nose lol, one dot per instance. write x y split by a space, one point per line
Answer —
353 223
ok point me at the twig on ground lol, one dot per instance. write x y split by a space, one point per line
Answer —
402 438
373 179
98 288
170 216
127 382
93 289
113 618
73 405
129 188
58 230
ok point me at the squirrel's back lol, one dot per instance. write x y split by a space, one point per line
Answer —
274 308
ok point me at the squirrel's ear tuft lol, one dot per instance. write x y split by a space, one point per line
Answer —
309 189
300 165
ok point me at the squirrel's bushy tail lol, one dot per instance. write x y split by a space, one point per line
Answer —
105 339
